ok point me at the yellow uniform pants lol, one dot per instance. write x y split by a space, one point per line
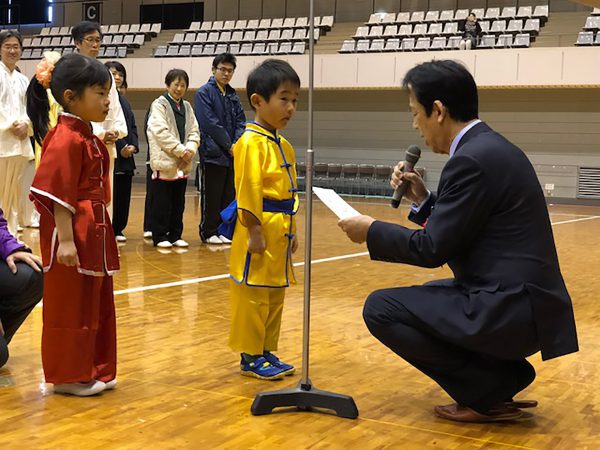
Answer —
255 318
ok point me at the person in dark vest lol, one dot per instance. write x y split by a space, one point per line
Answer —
488 221
222 121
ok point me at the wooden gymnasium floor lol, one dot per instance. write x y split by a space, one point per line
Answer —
179 385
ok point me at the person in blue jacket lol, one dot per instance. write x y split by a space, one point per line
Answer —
222 121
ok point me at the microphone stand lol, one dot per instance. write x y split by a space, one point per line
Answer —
305 396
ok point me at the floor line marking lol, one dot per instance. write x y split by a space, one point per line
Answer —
316 261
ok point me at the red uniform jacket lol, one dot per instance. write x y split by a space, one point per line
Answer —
74 172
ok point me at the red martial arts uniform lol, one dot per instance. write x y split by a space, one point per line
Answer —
79 332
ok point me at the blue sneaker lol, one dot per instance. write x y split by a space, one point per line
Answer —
287 369
261 368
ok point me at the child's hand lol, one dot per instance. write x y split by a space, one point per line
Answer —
256 242
294 244
110 137
67 254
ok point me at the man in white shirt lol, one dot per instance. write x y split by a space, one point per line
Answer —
15 127
88 39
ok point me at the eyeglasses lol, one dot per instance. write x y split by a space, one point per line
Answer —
10 48
226 71
93 40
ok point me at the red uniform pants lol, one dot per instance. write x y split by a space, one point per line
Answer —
79 338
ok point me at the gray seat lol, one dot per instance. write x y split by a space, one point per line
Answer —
363 45
262 36
492 13
260 48
408 44
246 49
197 49
161 51
585 38
376 31
504 41
592 23
234 48
532 26
208 50
377 45
392 45
432 16
435 29
423 44
361 32
524 12
173 50
417 17
274 35
347 46
229 25
522 41
189 37
450 29
390 31
462 14
420 29
273 48
438 43
498 26
222 47
285 48
405 30
194 26
403 17
185 50
488 41
264 24
252 24
446 15
217 25
298 48
508 12
515 26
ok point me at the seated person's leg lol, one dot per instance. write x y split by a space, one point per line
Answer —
19 293
3 351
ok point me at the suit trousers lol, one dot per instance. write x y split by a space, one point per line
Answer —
19 293
217 191
167 210
121 201
472 377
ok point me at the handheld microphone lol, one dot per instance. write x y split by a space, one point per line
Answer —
413 153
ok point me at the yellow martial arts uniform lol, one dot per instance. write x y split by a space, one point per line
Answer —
265 174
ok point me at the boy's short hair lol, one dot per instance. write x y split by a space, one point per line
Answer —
86 27
266 78
176 74
226 58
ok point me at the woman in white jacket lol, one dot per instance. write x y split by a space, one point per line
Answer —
173 137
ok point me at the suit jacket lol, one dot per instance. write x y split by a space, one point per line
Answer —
489 222
127 165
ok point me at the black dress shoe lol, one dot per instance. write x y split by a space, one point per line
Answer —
457 413
522 403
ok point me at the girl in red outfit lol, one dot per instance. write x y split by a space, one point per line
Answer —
71 191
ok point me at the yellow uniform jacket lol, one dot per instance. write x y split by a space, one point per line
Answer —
265 174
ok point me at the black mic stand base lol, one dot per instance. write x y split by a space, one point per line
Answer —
305 398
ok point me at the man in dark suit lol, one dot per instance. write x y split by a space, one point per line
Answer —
489 222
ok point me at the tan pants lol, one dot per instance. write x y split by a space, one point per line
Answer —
27 213
255 318
11 173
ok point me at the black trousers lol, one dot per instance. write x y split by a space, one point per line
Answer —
19 293
121 201
216 192
474 379
149 200
167 210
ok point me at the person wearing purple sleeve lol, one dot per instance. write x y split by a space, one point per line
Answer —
21 282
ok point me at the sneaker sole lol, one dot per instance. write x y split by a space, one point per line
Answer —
260 377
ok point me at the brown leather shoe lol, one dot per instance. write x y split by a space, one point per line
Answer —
522 403
457 413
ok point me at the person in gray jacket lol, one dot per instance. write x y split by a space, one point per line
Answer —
222 121
173 139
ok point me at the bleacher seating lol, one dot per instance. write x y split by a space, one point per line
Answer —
591 30
439 30
277 36
117 41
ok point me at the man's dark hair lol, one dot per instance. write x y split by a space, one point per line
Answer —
177 74
7 34
266 78
447 81
86 27
226 58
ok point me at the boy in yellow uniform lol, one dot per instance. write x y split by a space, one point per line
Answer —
264 237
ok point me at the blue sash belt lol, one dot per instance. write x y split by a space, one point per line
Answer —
229 214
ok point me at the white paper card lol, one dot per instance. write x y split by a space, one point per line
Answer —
335 203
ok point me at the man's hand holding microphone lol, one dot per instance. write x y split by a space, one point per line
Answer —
405 182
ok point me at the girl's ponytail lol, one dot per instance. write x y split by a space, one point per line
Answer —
38 104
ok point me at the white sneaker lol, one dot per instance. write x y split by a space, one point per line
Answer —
214 240
180 243
121 238
224 240
147 234
110 385
80 389
164 244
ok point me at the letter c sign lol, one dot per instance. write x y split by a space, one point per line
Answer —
92 11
